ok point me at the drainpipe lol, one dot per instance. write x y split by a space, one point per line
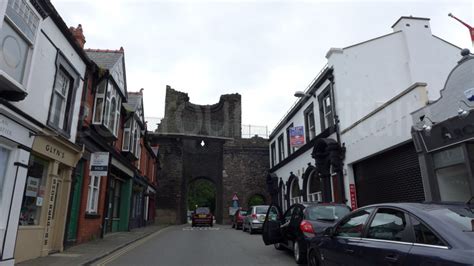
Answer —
339 172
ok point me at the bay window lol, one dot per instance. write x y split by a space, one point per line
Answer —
107 105
131 138
17 36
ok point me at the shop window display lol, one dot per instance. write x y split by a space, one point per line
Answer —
35 189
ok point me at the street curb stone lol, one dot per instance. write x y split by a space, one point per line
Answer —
101 256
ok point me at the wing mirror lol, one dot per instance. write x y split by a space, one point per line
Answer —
329 232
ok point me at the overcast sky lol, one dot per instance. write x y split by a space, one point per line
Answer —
263 50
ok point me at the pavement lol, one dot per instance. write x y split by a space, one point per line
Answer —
185 245
92 251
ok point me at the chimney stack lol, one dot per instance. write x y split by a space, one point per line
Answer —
78 35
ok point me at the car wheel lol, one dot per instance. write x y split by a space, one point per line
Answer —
313 258
233 225
300 256
278 246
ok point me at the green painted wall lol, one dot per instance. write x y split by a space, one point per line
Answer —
125 205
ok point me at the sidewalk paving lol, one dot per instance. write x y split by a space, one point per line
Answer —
95 250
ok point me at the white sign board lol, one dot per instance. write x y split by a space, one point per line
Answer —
32 185
99 164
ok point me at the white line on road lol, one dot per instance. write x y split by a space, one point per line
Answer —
201 229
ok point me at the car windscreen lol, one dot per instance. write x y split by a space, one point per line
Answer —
261 210
461 218
326 212
243 212
202 211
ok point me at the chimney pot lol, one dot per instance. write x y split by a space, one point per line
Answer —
78 35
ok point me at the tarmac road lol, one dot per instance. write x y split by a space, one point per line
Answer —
184 245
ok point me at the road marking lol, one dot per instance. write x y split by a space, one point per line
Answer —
128 248
201 229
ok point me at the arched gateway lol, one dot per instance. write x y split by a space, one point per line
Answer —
197 141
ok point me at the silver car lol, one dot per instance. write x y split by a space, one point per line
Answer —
254 219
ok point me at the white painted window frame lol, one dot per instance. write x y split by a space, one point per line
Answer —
93 192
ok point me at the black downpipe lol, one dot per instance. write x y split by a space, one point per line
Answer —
339 172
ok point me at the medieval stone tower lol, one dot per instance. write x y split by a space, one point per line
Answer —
204 142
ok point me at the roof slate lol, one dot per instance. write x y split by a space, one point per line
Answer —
105 58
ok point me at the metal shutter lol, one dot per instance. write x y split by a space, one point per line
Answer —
393 176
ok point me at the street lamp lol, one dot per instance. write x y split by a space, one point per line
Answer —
301 94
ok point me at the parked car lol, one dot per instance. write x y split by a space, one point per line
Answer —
401 233
254 219
202 216
238 219
299 224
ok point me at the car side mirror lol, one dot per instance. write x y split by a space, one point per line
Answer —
329 232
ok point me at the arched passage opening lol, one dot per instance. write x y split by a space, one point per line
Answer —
201 193
256 199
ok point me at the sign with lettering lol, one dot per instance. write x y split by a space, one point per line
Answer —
32 186
452 131
352 190
14 131
50 211
55 150
296 136
99 164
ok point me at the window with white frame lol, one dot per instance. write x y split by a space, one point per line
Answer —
281 148
17 36
66 82
326 109
314 188
59 104
93 194
310 128
127 129
295 192
107 106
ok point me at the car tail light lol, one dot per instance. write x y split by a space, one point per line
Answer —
307 229
254 216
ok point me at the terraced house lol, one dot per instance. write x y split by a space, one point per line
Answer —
61 107
42 72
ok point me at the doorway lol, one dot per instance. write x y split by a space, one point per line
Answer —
201 193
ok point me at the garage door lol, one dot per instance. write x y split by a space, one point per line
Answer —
393 176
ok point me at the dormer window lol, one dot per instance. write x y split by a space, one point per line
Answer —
107 107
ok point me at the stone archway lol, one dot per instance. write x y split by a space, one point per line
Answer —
201 192
293 192
256 199
197 141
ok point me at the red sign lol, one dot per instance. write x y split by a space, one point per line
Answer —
352 190
235 197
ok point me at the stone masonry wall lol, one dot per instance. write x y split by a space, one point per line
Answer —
246 168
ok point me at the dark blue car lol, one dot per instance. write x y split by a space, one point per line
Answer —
399 234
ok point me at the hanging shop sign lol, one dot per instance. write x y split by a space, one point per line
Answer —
296 136
99 165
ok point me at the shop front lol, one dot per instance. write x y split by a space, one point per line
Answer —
46 196
443 134
15 143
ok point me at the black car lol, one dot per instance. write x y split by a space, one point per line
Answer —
299 224
399 233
